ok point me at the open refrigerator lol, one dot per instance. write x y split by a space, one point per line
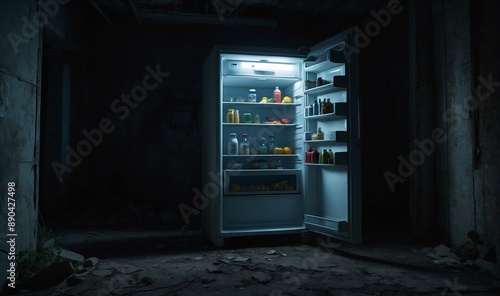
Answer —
271 193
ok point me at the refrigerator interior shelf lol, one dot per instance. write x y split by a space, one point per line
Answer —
250 81
261 155
325 165
260 104
258 124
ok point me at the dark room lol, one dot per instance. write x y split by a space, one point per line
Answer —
249 147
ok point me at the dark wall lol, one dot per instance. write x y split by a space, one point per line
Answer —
152 153
384 120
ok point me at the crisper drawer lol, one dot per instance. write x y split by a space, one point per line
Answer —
253 182
254 213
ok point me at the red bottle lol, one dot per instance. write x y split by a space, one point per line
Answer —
315 156
277 95
309 155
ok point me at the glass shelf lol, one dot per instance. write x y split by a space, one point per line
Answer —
261 104
326 116
262 155
325 142
258 124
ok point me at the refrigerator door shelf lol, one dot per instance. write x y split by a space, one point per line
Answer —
340 158
325 225
339 84
339 137
325 62
339 110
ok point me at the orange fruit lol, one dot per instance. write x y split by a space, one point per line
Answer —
287 150
278 150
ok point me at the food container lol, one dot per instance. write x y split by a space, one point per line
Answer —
330 135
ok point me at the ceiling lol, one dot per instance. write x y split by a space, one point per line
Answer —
263 13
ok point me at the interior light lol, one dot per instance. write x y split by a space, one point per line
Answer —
266 66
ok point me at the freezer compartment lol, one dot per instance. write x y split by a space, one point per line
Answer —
262 212
258 182
261 67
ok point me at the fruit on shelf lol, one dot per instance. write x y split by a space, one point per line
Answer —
234 187
278 150
264 100
287 100
287 150
285 120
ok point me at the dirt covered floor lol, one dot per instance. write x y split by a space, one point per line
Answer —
176 262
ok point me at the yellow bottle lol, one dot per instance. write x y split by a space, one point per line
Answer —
230 116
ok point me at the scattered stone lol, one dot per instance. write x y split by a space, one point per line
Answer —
230 256
261 277
271 252
493 268
442 251
90 262
433 256
212 269
71 256
241 259
198 258
447 261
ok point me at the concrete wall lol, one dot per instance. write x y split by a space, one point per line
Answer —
19 124
487 120
459 73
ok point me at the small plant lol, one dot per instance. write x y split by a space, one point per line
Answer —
31 263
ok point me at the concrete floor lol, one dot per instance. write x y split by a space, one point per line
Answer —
160 261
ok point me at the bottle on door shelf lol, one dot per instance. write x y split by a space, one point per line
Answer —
277 95
326 157
236 116
324 109
331 159
329 106
232 145
315 156
244 145
309 155
315 108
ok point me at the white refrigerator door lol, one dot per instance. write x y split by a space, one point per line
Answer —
332 190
